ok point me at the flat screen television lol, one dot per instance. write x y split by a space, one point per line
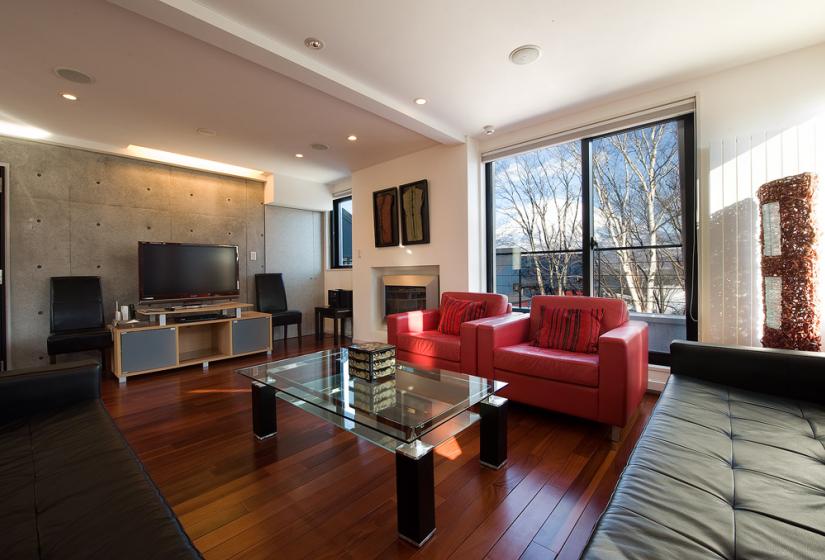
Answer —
181 271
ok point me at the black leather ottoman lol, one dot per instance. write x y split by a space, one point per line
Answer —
730 465
70 486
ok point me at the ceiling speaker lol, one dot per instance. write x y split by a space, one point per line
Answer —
74 76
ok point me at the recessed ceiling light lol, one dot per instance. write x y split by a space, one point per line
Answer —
420 101
313 43
525 54
352 138
299 155
69 96
206 132
488 130
320 147
75 76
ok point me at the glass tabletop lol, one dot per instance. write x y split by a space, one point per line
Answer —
390 411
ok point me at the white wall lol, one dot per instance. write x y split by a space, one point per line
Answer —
448 170
754 123
291 192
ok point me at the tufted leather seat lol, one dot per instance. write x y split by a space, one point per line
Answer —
722 471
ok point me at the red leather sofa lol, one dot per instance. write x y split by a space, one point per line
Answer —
605 387
417 339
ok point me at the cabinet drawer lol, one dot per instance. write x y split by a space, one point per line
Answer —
153 349
250 335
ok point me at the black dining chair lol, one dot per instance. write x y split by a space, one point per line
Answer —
77 323
270 297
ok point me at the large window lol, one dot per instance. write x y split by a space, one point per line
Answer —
611 216
340 241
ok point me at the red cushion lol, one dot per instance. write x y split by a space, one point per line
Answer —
557 365
615 310
431 343
457 311
574 330
497 304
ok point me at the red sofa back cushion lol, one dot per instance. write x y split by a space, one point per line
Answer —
496 303
572 330
615 310
457 311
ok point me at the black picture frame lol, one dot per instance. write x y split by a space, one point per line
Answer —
415 213
386 234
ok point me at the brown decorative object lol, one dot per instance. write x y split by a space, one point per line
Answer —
385 217
415 213
789 263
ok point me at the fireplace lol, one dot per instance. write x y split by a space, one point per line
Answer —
409 292
398 299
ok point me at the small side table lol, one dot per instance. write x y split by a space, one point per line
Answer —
336 315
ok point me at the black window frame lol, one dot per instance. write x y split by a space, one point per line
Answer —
334 231
687 172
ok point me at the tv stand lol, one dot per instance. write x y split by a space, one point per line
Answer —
161 346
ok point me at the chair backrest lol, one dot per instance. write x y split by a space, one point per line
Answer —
76 303
270 294
496 303
615 310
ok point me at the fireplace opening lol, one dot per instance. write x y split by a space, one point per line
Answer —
399 299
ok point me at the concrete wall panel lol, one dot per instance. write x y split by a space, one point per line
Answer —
74 212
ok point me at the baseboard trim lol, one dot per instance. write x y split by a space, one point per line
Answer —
657 377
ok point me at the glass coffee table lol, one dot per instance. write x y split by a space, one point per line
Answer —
408 413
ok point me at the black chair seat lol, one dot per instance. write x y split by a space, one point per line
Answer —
78 340
291 317
270 297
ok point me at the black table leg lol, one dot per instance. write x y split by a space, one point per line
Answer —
318 334
264 420
335 329
415 491
493 432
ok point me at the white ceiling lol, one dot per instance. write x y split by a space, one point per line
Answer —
240 67
155 86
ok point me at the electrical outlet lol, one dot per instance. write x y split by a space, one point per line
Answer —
253 256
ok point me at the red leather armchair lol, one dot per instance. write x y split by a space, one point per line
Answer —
605 387
417 339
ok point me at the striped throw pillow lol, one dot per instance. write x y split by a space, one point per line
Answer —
457 311
573 330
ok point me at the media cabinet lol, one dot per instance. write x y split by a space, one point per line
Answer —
164 345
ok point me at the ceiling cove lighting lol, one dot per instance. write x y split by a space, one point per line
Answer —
23 131
420 101
69 96
194 162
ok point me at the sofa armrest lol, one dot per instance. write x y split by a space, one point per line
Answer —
469 341
31 390
498 332
622 371
411 321
786 373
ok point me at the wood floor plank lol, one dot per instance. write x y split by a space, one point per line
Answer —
316 491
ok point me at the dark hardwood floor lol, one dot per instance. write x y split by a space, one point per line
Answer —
315 491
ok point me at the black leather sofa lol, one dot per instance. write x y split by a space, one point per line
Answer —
730 465
70 486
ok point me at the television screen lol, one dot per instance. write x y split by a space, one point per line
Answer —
175 271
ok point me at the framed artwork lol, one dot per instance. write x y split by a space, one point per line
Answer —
415 213
385 217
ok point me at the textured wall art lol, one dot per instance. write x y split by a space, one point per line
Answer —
789 263
415 213
385 217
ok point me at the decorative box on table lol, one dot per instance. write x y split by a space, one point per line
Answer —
371 360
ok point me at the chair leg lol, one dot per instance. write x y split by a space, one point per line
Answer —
52 359
300 334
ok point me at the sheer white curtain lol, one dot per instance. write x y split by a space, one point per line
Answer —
730 285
